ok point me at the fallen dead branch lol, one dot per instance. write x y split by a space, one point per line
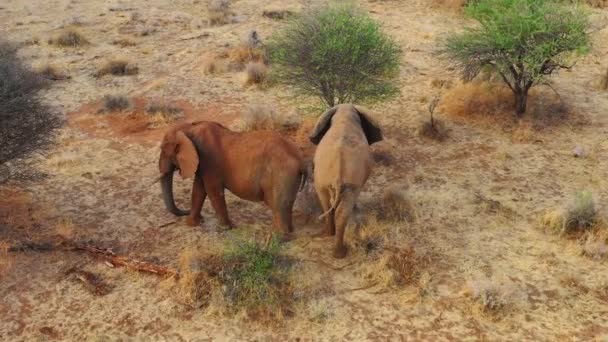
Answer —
103 253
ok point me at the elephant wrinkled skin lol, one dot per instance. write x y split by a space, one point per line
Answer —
255 166
342 164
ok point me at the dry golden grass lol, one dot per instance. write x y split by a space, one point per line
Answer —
261 117
196 281
243 54
493 103
211 63
52 72
117 67
491 298
124 42
69 38
598 3
115 103
255 73
219 12
392 205
160 113
65 229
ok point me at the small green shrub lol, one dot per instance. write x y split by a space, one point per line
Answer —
522 41
252 278
337 53
582 212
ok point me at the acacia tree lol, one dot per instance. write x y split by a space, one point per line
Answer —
337 53
522 40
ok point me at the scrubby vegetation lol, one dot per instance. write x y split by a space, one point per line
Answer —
115 103
523 41
338 54
69 38
27 124
117 67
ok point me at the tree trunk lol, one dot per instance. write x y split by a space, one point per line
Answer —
521 99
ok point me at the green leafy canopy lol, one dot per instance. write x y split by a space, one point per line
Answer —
337 53
522 40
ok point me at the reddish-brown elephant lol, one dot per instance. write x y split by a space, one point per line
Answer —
255 166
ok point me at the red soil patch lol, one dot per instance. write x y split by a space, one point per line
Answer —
137 126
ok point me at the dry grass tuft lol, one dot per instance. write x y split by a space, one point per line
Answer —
433 129
124 42
210 64
52 72
219 12
162 113
255 73
490 296
117 67
65 229
580 215
261 117
115 103
277 14
598 3
393 205
197 278
244 54
69 38
383 154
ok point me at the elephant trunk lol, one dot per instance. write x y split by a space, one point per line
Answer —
166 183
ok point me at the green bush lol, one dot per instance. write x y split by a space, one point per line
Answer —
336 53
521 40
253 279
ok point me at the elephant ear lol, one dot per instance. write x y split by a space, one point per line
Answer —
370 127
323 124
186 155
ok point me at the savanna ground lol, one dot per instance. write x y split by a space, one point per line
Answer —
470 210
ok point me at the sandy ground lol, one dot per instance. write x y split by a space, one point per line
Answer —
476 197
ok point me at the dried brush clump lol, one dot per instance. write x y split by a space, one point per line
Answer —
117 67
69 38
255 73
392 205
197 279
259 116
490 297
579 215
52 72
162 113
124 42
115 103
211 64
249 50
433 129
219 12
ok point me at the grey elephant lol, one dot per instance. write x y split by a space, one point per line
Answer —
342 165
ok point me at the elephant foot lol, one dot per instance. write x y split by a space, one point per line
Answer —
340 252
193 222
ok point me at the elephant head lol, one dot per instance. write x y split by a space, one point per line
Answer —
370 128
176 152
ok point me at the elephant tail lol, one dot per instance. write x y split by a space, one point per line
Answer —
336 198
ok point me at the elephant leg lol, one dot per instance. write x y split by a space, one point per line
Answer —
218 201
198 198
330 224
342 214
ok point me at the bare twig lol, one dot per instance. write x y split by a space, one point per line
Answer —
91 282
363 287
